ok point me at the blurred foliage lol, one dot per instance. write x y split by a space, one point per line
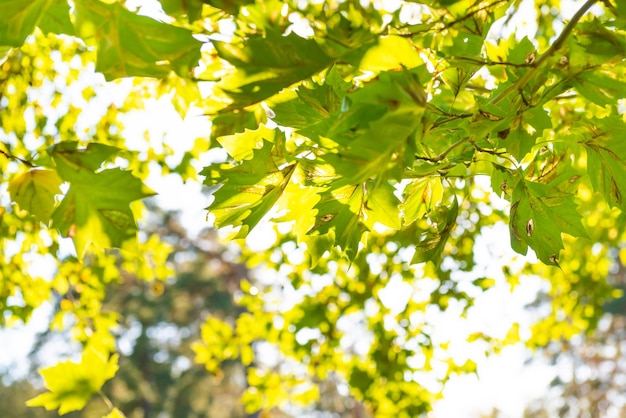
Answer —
373 144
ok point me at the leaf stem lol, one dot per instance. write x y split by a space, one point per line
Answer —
558 43
106 400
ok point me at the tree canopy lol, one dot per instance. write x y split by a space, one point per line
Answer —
374 141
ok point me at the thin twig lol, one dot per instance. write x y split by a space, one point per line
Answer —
445 152
106 400
15 158
491 63
551 51
452 118
471 14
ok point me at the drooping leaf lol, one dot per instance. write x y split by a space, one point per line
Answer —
430 245
131 45
34 192
71 385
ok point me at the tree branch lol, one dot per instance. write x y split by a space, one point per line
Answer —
558 43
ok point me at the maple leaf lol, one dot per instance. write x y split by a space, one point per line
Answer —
34 192
71 384
89 212
250 191
539 214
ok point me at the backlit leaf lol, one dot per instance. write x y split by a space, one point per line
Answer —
34 192
18 19
339 212
265 65
606 164
90 213
131 45
115 413
252 189
540 213
383 206
71 385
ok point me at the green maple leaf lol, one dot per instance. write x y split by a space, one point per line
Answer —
307 107
517 140
339 213
383 206
241 145
71 385
56 18
131 45
266 65
96 208
540 213
249 190
606 162
34 192
18 19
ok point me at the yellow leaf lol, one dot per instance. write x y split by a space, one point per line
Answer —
115 413
34 192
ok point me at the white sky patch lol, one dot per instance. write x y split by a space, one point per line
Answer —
504 382
395 295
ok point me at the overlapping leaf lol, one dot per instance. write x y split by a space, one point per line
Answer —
34 191
132 45
307 107
430 244
382 206
266 65
420 196
249 190
339 212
